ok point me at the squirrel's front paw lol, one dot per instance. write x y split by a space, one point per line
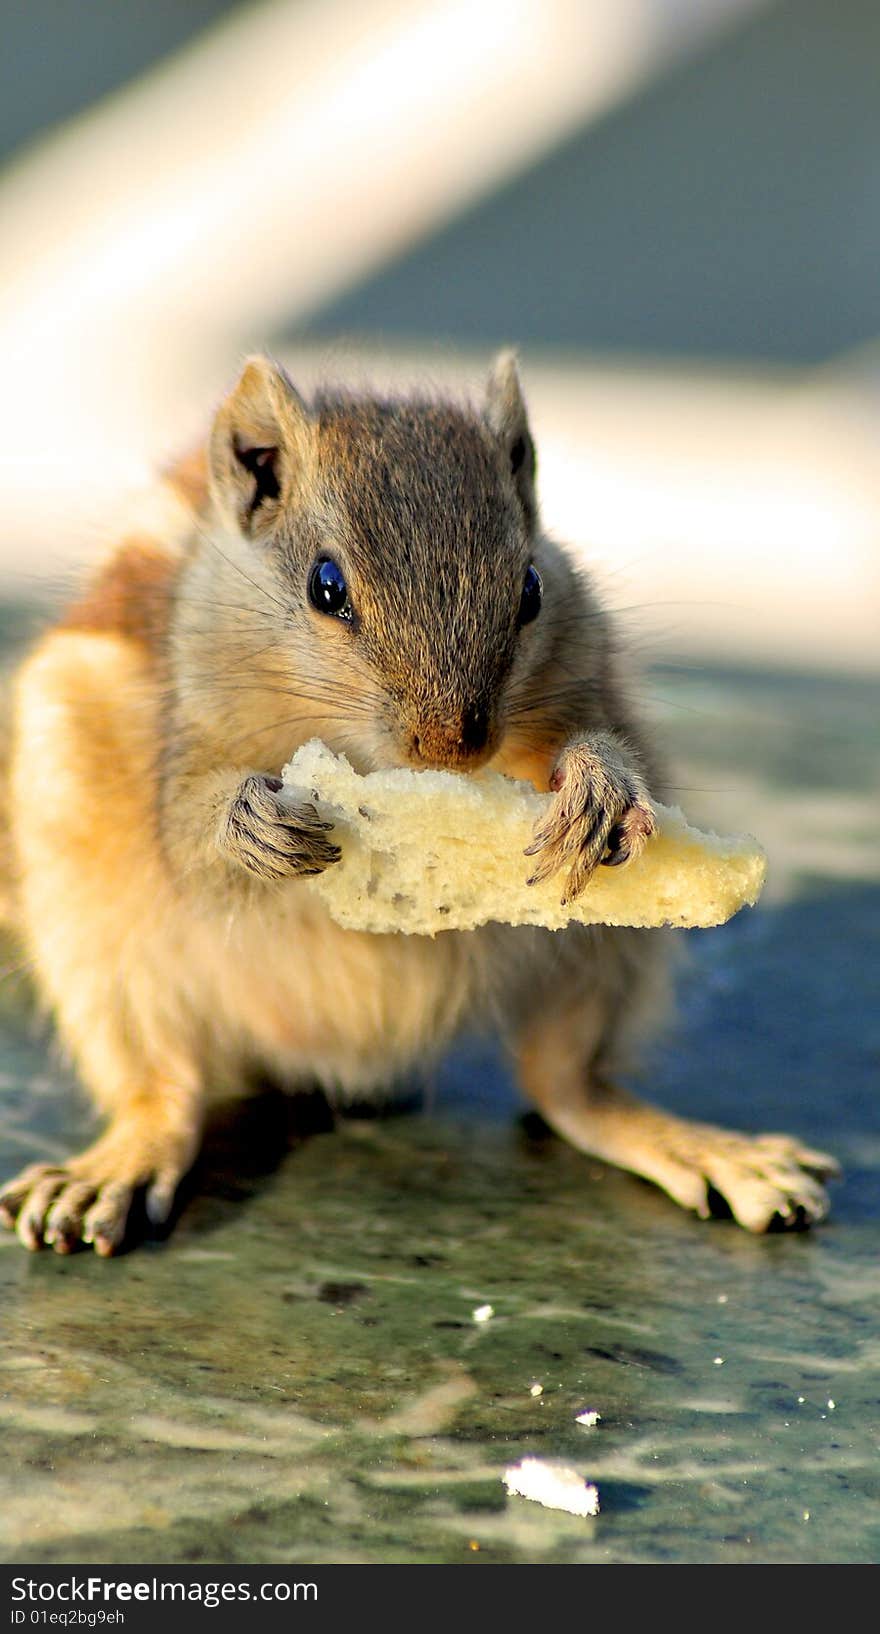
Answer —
272 834
601 813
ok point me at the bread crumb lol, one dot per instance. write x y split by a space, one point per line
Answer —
553 1485
537 1390
588 1418
483 1313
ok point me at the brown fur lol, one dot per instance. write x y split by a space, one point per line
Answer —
189 478
131 596
157 856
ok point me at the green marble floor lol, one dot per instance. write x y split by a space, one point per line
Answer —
296 1375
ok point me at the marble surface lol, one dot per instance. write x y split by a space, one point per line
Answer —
296 1375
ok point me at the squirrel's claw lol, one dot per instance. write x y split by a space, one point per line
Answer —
600 814
273 835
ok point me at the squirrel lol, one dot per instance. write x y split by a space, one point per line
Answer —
371 571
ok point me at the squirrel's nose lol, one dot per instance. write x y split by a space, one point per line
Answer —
474 729
452 742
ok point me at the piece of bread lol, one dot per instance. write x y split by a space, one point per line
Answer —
430 851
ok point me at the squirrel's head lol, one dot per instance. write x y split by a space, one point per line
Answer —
396 539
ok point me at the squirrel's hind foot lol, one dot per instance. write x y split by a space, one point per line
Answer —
766 1181
87 1201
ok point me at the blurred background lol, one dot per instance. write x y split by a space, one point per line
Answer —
671 206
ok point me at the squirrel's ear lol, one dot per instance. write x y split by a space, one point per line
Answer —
505 413
256 443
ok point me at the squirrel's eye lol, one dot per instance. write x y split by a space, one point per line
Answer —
530 600
327 589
